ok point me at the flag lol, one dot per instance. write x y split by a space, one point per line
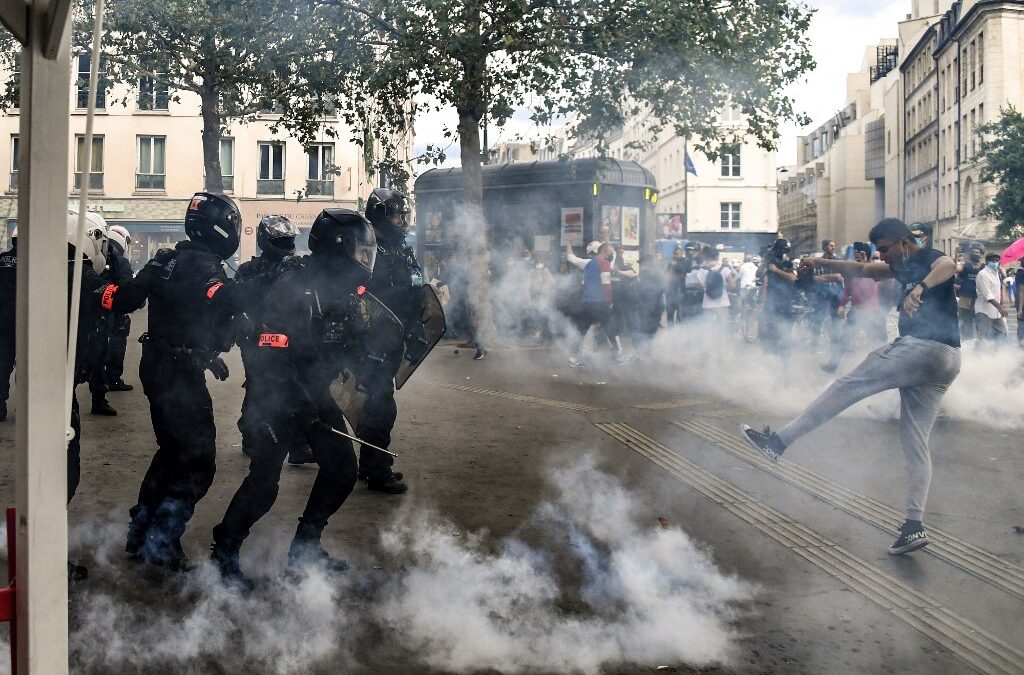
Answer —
690 168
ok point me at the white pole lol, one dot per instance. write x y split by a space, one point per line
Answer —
83 202
40 441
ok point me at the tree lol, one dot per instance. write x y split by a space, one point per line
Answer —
600 60
1002 154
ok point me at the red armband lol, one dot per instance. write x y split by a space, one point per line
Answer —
107 299
212 290
278 340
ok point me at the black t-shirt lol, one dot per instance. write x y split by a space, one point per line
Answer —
936 318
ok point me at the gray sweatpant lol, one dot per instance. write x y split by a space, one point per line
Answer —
922 370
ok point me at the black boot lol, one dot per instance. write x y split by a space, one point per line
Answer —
301 455
101 407
306 551
389 483
119 385
162 553
136 530
77 572
225 558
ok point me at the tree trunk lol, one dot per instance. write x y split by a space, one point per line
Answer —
472 231
211 139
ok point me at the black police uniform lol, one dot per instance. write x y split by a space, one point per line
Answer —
8 312
398 283
308 319
89 335
190 309
119 271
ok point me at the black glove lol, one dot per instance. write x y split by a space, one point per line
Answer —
218 368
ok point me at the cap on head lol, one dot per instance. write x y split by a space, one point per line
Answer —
213 220
992 257
593 247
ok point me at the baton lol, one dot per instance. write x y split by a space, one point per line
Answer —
328 427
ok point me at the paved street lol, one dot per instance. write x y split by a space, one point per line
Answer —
485 444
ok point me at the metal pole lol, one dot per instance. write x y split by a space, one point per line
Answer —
686 187
42 323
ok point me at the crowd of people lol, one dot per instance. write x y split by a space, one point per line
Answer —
347 317
768 297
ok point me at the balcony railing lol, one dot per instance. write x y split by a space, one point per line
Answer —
95 181
150 181
269 187
320 188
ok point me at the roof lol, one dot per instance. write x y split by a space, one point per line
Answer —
590 170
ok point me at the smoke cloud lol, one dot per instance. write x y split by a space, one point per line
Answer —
592 579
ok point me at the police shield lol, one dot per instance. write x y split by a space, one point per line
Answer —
381 345
419 340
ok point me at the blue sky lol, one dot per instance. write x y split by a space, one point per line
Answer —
840 32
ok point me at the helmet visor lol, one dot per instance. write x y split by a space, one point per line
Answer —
365 255
277 227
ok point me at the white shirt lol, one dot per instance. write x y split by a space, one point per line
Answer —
748 275
578 263
989 288
723 299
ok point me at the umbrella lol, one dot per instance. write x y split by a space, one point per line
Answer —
1014 251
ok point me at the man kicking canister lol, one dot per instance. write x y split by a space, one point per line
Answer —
922 362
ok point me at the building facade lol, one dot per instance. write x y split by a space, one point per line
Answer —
731 201
147 161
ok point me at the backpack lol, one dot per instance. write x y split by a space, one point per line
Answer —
714 284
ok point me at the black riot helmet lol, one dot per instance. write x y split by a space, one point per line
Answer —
387 210
213 220
344 236
780 248
275 236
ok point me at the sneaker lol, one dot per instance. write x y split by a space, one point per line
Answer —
231 574
120 385
767 442
911 538
100 406
480 355
575 362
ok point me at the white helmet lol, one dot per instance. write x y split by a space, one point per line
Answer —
94 243
119 235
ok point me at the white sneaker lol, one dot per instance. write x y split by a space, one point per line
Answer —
575 362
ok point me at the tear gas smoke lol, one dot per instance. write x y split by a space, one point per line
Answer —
606 584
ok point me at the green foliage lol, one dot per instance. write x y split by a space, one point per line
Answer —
1002 151
600 60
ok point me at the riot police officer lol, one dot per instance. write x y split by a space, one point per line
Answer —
275 237
398 283
312 320
90 331
119 271
191 306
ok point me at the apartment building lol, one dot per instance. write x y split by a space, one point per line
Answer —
730 201
147 162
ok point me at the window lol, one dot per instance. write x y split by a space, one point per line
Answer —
981 58
731 114
888 141
271 177
974 133
731 160
730 215
153 94
227 163
963 65
96 162
320 169
82 84
15 147
973 64
150 174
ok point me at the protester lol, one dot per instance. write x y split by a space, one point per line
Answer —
989 313
921 364
967 294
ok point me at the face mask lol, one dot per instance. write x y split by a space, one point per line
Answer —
992 266
905 258
610 257
919 241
